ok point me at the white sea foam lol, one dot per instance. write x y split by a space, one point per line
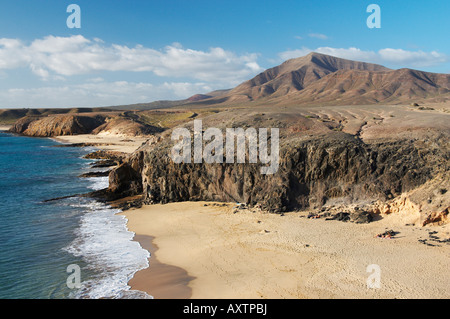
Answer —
89 149
106 245
98 183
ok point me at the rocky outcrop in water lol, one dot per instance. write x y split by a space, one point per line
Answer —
126 179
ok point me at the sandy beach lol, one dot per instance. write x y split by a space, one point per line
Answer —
118 143
203 250
5 127
258 255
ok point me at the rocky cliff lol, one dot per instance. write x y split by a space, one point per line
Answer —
324 168
72 124
56 125
311 173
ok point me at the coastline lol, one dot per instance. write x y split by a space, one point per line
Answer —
66 230
159 280
201 250
250 255
127 145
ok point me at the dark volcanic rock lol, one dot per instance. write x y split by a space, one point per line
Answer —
311 172
361 217
115 156
343 217
95 174
126 179
317 166
104 163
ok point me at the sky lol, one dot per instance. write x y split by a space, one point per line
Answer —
139 51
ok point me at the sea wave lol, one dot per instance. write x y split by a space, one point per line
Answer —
106 245
98 183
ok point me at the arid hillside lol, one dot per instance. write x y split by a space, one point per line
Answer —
318 79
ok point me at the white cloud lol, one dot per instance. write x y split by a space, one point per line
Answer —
11 55
318 36
185 89
414 58
388 56
67 56
97 92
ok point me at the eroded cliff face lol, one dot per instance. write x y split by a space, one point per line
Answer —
124 124
336 169
310 174
327 159
57 125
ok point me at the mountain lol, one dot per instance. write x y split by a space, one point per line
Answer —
356 87
297 74
314 79
323 79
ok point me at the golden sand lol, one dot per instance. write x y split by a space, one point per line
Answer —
257 255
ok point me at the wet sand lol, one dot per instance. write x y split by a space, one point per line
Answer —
160 280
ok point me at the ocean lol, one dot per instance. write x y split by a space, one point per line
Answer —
41 242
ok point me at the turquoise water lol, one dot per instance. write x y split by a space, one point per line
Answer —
38 240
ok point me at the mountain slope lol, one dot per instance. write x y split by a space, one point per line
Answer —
296 74
367 87
323 79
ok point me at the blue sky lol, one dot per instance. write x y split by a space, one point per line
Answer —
139 51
